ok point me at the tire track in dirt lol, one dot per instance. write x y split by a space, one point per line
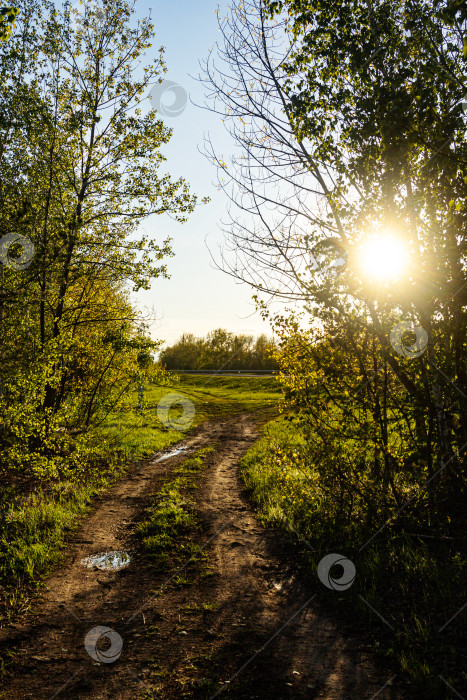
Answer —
188 639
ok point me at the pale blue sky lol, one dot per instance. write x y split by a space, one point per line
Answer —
197 298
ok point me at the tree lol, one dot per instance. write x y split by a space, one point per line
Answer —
348 121
345 124
80 170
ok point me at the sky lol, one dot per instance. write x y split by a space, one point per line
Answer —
198 297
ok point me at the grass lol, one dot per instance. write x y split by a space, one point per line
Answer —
32 535
36 518
415 584
166 530
226 395
142 433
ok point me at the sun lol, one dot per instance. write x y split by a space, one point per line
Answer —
383 257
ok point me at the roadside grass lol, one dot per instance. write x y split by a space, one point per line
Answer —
169 525
232 394
414 585
33 531
169 535
37 517
140 431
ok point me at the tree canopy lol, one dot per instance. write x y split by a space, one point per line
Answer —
80 169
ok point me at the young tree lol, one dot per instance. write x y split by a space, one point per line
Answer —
81 169
348 122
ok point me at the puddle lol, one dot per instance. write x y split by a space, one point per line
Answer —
107 561
178 451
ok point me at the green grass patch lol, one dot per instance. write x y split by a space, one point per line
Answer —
415 583
33 530
169 524
218 396
141 432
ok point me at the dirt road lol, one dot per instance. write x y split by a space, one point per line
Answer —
248 627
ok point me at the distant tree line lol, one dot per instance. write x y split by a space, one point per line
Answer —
220 349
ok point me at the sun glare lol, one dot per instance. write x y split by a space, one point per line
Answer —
383 257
